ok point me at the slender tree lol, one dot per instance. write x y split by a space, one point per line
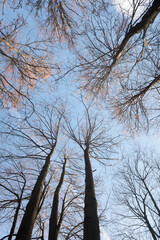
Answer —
92 138
28 220
12 187
54 223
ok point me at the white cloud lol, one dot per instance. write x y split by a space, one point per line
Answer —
126 6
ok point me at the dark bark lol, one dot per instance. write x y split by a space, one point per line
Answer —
44 193
54 225
91 222
147 19
150 228
27 223
16 213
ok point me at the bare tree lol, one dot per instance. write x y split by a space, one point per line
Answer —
60 17
54 223
12 186
30 215
35 139
62 211
137 195
92 138
71 209
121 57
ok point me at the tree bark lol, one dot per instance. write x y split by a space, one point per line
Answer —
91 222
16 213
54 226
27 223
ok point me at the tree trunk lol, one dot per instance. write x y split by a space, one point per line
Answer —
91 222
16 214
53 223
27 223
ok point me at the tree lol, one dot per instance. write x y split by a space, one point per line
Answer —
30 215
121 57
12 186
137 197
70 218
54 223
66 211
92 138
36 139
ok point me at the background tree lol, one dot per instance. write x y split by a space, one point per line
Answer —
12 187
54 223
137 196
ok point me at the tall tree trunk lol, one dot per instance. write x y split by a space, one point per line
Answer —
91 222
27 223
54 226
